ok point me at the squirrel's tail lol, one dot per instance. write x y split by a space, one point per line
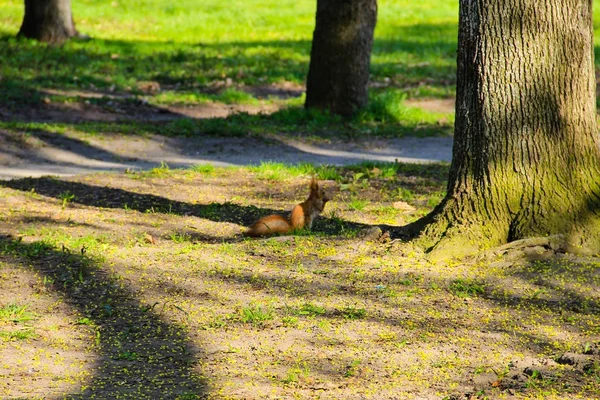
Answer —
270 225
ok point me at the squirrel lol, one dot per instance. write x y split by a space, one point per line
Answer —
302 215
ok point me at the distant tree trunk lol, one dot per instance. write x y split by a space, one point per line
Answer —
48 21
526 159
341 55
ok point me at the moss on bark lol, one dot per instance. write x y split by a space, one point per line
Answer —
526 159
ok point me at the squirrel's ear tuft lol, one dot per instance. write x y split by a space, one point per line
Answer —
314 184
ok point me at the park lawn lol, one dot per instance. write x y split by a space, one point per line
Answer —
190 58
250 42
156 57
139 285
249 56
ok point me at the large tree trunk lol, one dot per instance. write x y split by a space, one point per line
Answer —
341 55
48 21
526 158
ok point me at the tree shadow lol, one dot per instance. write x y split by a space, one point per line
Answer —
338 277
101 87
140 354
194 68
47 151
108 80
107 197
110 66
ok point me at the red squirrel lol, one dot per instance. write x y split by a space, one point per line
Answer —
302 215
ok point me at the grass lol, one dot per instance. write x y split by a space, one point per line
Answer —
22 334
465 288
227 96
274 171
297 373
247 54
310 310
255 314
350 312
15 313
12 316
357 204
251 43
203 53
66 198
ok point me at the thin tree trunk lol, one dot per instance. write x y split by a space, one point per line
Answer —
341 55
48 21
526 159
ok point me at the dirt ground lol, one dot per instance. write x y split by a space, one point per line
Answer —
139 286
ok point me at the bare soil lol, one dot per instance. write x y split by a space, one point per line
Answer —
140 286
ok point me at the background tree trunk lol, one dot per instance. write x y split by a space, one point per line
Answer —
48 21
341 55
526 153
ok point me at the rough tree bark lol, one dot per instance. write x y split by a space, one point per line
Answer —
526 159
48 21
341 55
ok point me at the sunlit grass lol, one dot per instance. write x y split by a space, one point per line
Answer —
157 53
250 42
160 53
15 313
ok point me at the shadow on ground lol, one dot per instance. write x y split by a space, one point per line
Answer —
139 353
417 300
100 88
107 197
183 67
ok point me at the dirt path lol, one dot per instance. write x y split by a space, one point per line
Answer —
45 153
63 155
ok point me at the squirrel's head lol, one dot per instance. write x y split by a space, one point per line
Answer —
318 194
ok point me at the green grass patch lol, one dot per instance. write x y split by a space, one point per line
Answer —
15 313
226 96
310 310
351 312
387 107
255 314
466 288
275 171
203 169
300 371
21 334
162 171
357 204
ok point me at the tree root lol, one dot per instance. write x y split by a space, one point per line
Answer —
529 249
